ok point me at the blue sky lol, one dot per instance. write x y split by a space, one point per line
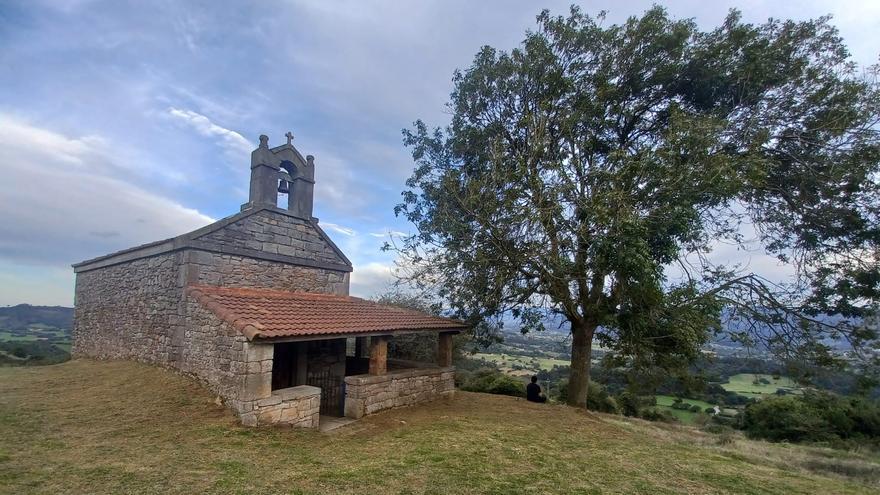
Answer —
127 122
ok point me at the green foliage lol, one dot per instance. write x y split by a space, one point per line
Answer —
581 165
492 381
598 399
421 347
31 353
657 414
814 417
631 404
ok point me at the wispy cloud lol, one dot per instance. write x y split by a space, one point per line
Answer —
230 140
339 228
70 202
388 233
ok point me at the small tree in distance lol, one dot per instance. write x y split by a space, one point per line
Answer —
583 168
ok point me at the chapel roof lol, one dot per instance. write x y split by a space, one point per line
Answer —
273 314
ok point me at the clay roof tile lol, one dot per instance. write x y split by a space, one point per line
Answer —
267 313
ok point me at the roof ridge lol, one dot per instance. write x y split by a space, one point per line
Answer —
289 293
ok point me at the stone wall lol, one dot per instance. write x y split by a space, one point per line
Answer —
128 311
295 406
276 233
369 394
132 305
240 271
223 359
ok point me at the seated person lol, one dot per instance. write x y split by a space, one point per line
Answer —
533 391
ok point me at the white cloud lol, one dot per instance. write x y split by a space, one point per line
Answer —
388 234
230 140
371 279
65 200
339 228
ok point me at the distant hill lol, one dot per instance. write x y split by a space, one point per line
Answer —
20 317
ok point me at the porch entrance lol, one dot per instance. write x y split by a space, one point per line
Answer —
332 391
319 363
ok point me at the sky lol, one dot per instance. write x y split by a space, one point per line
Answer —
124 122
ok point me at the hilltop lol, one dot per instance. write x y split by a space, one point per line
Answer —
22 316
121 427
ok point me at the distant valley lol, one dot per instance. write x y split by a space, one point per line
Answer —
35 335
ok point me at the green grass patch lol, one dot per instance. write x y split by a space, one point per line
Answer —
10 337
750 384
527 362
120 427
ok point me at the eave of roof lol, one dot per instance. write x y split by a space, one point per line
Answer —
267 314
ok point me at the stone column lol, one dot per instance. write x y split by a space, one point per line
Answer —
378 355
444 349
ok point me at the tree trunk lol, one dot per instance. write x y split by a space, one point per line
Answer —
581 350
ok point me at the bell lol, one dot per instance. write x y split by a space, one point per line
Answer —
282 186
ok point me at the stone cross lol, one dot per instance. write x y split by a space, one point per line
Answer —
289 137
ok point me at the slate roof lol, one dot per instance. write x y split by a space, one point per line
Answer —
267 314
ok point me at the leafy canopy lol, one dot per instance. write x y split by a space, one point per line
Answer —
589 171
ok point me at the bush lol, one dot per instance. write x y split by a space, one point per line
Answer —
598 399
631 404
695 409
814 417
653 414
492 381
709 410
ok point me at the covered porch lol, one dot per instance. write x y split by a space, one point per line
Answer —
311 355
356 376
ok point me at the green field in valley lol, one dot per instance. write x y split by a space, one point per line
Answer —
507 361
664 402
744 384
10 337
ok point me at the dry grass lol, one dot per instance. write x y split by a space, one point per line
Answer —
114 427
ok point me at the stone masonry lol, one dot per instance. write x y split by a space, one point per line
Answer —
135 307
139 303
369 394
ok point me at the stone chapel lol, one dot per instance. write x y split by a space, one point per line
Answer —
256 306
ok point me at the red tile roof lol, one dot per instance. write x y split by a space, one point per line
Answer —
265 313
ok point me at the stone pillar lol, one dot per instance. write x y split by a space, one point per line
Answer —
258 380
264 177
444 349
379 355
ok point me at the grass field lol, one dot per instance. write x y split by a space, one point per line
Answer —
10 337
510 360
35 333
743 384
686 417
115 427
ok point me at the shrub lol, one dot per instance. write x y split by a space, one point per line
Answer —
815 416
598 399
709 410
631 404
653 414
695 409
492 381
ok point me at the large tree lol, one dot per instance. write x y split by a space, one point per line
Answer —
591 171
